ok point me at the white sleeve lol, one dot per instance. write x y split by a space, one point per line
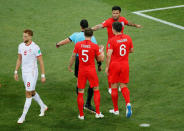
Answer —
19 49
37 51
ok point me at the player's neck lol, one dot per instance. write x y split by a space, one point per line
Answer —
28 43
87 38
118 33
82 30
117 19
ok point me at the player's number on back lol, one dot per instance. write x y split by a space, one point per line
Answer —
122 50
84 53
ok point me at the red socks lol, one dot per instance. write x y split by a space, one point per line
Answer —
114 96
80 102
97 101
126 94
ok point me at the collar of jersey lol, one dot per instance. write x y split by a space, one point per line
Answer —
29 44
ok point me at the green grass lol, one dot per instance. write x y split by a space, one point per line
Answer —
172 15
156 67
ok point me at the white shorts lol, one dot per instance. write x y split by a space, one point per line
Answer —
30 80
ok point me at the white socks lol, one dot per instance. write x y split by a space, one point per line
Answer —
26 106
37 98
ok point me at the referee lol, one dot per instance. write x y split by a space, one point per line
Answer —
77 37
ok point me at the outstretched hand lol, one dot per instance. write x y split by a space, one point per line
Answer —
57 46
138 26
101 48
16 77
43 80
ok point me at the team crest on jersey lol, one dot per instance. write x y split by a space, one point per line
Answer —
25 52
122 23
109 45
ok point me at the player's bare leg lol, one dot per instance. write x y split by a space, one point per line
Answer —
109 89
43 107
80 102
114 96
97 102
126 95
26 107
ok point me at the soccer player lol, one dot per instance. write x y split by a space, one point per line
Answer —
77 37
28 53
116 16
87 52
117 67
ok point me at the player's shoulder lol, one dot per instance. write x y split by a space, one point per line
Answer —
122 18
79 43
21 45
92 43
108 20
126 36
35 45
113 38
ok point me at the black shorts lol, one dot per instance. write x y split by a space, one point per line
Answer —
76 66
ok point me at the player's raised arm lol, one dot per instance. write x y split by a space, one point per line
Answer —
19 61
63 42
72 59
134 25
109 53
40 59
97 27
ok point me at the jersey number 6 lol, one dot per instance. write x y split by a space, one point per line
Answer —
122 48
84 54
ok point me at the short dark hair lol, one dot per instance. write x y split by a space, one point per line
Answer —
84 23
116 8
117 26
29 32
88 32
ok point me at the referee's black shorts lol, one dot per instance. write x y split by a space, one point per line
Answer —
76 66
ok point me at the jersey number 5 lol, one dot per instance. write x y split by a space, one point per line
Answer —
84 54
122 50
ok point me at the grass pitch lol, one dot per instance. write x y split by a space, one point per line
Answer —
156 67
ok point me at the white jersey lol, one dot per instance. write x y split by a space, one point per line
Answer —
29 56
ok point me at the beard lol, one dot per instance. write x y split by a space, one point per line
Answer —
26 41
116 19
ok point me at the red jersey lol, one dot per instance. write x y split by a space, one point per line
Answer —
87 52
121 45
108 24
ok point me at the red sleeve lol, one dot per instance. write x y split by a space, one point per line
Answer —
105 23
75 49
125 21
97 50
110 44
